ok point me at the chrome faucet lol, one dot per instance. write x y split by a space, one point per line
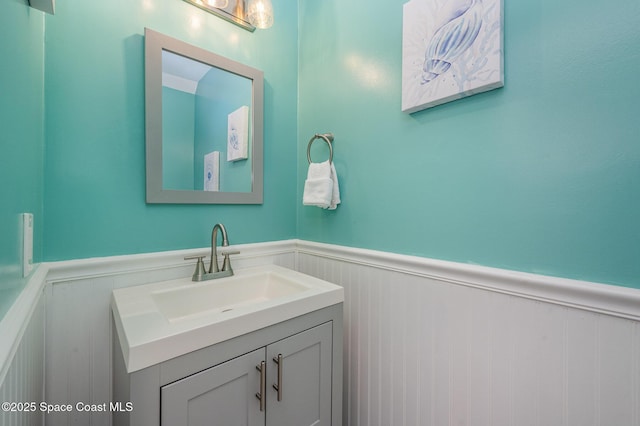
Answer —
214 270
213 265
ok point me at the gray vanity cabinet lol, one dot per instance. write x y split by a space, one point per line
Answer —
221 395
303 378
220 385
230 394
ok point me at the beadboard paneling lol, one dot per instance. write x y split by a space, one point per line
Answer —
426 343
427 348
78 365
24 376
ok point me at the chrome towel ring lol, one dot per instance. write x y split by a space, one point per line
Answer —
328 138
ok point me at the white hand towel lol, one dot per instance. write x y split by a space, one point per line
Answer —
318 188
335 195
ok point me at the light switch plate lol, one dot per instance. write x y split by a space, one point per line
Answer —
27 243
48 6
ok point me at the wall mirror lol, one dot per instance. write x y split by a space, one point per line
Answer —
204 124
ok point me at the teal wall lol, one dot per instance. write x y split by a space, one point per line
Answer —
21 138
178 129
219 93
541 176
94 197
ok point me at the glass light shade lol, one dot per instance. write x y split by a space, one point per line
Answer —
260 13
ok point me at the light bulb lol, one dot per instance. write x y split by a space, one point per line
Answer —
220 4
260 13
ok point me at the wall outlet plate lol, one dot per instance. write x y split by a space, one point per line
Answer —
27 243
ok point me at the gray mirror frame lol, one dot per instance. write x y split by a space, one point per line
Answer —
155 43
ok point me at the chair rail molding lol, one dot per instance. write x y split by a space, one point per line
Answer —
607 299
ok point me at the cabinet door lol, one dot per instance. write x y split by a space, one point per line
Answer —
305 383
224 395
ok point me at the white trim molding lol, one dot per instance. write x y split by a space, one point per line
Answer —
81 269
17 318
612 300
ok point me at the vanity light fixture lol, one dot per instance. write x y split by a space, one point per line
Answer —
248 14
260 13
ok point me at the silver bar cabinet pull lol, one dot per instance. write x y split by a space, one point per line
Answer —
263 384
278 386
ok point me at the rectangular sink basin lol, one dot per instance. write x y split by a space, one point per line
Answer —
224 295
159 321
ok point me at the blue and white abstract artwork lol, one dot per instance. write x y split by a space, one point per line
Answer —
238 134
450 49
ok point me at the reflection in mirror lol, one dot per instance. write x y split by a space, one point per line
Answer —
204 125
205 114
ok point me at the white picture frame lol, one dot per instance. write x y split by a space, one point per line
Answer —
212 171
238 134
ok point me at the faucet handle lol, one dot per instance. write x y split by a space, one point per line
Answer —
199 272
226 264
195 256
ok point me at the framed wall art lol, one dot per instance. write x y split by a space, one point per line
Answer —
212 171
238 134
450 49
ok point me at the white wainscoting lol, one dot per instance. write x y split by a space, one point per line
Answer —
426 342
78 364
22 354
430 343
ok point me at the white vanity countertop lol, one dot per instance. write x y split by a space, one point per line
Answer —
150 333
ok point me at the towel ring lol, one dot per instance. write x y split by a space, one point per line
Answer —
328 138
